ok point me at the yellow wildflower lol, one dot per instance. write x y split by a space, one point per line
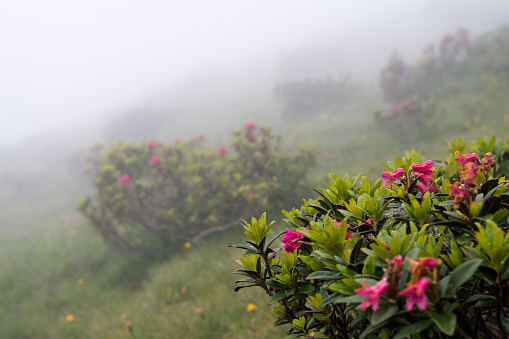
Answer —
250 307
69 318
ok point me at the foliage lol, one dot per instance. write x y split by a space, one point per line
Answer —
151 198
400 80
423 255
414 114
306 97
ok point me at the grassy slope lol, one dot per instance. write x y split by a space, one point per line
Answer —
47 246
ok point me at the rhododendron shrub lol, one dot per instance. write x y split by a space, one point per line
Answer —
400 80
406 256
403 120
151 198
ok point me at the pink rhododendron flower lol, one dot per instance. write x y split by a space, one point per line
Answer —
124 180
397 259
405 103
416 294
422 267
152 144
176 141
390 177
396 109
288 239
488 159
250 125
468 172
423 188
458 192
426 168
425 179
464 158
250 193
155 160
372 294
252 137
221 151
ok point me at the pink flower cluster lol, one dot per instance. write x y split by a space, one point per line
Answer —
250 126
421 270
372 294
423 172
221 151
289 241
155 160
396 109
391 177
124 180
152 144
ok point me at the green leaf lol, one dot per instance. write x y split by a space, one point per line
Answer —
383 313
324 275
334 247
463 273
479 297
417 327
276 297
446 322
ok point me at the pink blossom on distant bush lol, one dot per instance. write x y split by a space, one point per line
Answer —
416 294
288 240
250 193
200 136
396 109
250 125
406 103
221 150
252 137
176 141
152 144
372 294
155 160
124 180
390 177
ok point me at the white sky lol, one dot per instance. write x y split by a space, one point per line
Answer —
64 61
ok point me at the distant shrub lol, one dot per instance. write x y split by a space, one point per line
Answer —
400 80
307 97
423 253
410 116
151 198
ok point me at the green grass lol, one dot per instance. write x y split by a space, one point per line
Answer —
46 245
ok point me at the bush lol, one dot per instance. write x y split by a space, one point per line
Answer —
307 97
414 115
400 80
421 255
151 198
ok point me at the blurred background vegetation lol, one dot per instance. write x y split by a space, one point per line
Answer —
53 265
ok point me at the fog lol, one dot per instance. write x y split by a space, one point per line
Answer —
65 65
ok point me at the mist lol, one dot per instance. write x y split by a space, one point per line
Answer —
67 67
